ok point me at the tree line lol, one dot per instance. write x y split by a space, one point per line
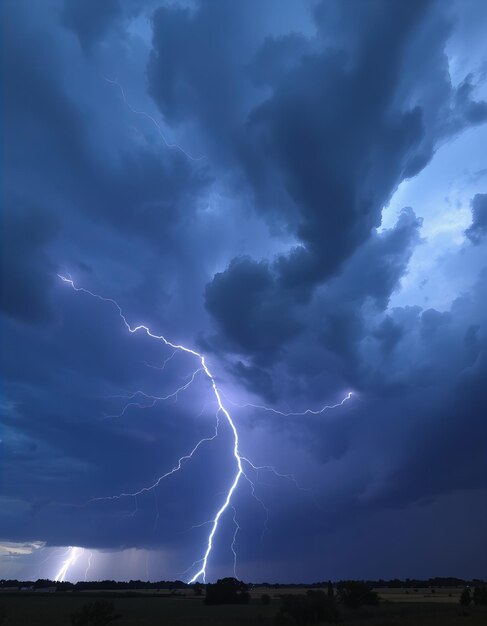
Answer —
394 583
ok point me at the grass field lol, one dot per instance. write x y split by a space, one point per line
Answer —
397 609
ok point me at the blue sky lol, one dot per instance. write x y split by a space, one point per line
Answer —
297 191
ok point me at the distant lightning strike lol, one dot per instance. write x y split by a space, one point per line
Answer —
222 410
234 541
153 120
88 567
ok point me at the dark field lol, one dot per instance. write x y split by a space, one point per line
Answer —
397 608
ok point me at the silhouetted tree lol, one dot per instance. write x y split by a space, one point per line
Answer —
198 589
99 613
265 598
330 591
465 598
480 595
313 608
354 593
227 591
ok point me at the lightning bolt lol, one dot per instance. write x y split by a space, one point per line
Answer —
222 412
153 121
172 471
154 399
90 556
234 541
261 407
73 554
164 363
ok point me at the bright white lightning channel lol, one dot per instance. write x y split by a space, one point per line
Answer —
202 563
72 556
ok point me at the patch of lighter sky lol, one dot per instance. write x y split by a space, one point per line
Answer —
444 264
467 46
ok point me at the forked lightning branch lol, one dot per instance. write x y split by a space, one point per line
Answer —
242 464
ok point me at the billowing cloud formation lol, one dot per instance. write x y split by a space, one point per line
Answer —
222 170
250 308
478 229
342 127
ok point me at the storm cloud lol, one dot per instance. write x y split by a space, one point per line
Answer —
240 176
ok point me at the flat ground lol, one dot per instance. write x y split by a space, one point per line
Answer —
398 608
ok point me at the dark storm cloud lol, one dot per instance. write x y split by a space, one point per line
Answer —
267 252
344 307
92 21
477 231
250 308
25 273
63 448
343 126
89 19
195 69
82 190
359 142
388 333
431 319
256 379
259 314
376 269
136 189
341 138
426 423
470 110
321 155
276 57
434 464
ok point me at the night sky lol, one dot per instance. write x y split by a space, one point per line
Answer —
298 191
